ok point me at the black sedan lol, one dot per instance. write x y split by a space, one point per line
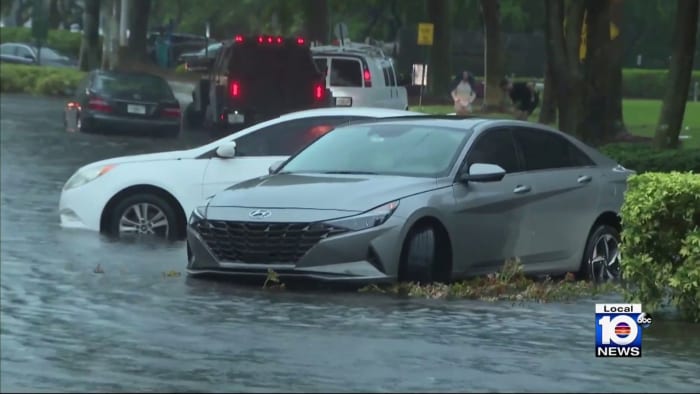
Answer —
116 102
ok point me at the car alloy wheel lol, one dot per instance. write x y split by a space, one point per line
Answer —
144 219
604 260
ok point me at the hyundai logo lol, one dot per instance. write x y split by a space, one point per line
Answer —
259 213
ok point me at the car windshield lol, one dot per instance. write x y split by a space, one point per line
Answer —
211 49
384 149
49 54
147 87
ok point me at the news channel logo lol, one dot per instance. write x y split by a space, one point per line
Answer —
618 329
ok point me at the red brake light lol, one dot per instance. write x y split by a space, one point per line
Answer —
238 38
319 92
368 78
260 39
235 89
269 40
279 40
300 41
99 105
171 112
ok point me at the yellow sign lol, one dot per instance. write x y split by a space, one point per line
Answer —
425 33
614 32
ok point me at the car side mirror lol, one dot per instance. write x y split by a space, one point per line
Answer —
274 167
226 150
483 172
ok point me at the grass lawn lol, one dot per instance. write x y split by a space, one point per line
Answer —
640 118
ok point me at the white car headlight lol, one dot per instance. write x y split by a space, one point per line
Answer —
372 218
87 175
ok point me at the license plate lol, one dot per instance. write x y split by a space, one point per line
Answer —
343 101
236 118
136 109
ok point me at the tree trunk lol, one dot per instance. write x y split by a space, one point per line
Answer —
548 110
598 70
563 51
679 75
105 24
54 16
317 20
494 53
138 30
440 68
90 46
615 123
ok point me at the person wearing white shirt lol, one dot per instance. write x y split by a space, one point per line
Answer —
463 95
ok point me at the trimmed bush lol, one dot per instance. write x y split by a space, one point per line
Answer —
661 241
648 84
64 41
50 81
643 157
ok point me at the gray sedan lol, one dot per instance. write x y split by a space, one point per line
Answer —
429 199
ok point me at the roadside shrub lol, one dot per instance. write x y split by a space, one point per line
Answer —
661 241
643 157
648 84
52 81
64 41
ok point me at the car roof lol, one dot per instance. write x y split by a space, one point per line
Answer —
448 121
349 111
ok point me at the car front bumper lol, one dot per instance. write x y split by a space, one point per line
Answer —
367 256
81 207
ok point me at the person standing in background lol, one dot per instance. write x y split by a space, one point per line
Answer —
463 94
523 95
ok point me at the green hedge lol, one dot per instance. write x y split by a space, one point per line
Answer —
50 81
642 158
63 41
649 84
661 242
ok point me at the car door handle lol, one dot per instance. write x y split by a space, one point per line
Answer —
521 189
584 179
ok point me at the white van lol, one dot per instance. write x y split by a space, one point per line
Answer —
360 75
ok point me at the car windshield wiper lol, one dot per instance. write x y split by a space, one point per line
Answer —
351 172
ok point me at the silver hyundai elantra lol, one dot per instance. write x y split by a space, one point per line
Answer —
422 199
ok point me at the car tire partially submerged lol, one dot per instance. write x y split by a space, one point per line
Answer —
601 260
144 215
418 258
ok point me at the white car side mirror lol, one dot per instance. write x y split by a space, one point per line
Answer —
226 150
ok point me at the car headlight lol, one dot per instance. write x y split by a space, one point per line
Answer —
372 218
200 212
87 175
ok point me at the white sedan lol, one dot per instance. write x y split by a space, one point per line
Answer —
153 194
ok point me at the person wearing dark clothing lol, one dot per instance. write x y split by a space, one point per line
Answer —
524 97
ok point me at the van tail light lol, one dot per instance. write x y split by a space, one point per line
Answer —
238 39
99 105
319 91
234 89
367 77
301 41
171 112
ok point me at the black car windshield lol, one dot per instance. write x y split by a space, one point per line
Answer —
384 149
134 86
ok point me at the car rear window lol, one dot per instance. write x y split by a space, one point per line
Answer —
262 60
147 87
346 72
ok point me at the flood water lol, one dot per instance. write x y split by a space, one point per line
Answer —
64 327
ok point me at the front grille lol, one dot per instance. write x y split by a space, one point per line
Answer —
262 243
